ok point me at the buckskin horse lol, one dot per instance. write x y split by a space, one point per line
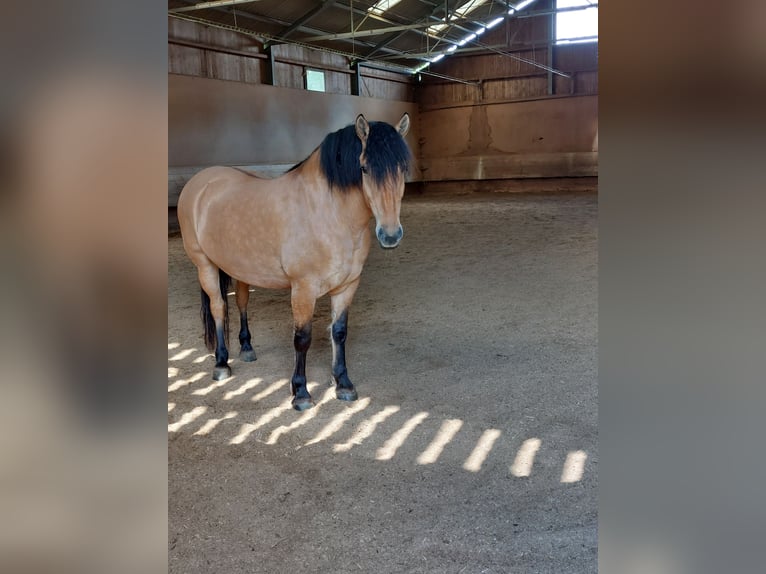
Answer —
306 230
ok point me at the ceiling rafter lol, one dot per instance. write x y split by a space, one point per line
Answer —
389 21
375 31
318 9
393 38
222 6
205 5
266 20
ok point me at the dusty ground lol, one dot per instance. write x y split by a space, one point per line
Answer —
473 447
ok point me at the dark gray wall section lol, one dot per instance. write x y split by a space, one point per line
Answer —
216 122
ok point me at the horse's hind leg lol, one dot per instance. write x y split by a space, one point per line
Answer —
215 308
303 300
341 301
246 352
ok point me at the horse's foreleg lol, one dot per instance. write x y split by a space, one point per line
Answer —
303 301
246 352
341 301
212 285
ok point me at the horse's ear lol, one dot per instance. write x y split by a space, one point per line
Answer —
362 128
404 124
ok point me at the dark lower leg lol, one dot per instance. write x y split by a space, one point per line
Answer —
244 332
222 369
344 389
211 283
246 352
302 342
339 332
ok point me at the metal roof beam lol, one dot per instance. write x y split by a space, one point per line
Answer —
325 4
204 5
372 16
385 42
271 39
374 48
394 37
464 50
376 31
256 18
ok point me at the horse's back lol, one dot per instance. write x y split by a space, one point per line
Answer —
200 180
232 218
191 201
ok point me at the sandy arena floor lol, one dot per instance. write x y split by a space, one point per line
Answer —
473 445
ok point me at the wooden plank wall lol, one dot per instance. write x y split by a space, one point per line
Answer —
506 76
543 138
509 125
208 52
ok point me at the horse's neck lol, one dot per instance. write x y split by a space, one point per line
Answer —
356 211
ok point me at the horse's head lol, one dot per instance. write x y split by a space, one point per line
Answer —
384 161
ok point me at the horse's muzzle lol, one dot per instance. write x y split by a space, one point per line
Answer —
387 240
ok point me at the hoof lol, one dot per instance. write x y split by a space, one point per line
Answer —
247 356
220 373
303 403
345 394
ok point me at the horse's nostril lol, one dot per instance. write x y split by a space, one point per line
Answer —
390 240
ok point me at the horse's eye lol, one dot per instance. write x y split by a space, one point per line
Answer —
364 169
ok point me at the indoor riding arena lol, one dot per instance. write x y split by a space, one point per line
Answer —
472 446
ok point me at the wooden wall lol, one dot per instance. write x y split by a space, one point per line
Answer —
517 120
207 52
551 137
508 76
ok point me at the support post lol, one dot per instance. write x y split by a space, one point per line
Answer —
551 47
271 76
356 79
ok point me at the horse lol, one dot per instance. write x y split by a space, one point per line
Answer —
306 230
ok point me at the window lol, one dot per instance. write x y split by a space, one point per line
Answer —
577 21
315 80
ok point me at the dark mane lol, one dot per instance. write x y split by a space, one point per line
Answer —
339 153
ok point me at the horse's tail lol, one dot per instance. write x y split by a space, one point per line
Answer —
207 317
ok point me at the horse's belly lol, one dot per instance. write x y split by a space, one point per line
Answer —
260 273
249 265
267 281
